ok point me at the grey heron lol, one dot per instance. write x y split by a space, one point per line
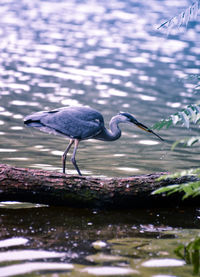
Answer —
80 123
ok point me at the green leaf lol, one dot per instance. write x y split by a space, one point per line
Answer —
191 114
190 189
187 255
186 142
190 253
178 250
167 189
196 244
195 261
178 174
185 119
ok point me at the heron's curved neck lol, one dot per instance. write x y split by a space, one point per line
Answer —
114 133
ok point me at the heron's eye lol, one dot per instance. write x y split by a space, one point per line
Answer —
97 120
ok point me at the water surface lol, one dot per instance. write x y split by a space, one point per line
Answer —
108 55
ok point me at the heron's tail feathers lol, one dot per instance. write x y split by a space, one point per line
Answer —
34 120
32 123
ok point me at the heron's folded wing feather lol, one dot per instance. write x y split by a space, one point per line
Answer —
70 125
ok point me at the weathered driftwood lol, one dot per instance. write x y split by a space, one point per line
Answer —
47 187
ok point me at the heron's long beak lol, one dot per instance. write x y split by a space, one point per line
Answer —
145 128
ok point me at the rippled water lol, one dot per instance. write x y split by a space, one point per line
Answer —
108 55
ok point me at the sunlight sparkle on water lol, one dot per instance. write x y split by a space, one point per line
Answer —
138 59
57 153
20 205
18 159
148 142
26 268
70 102
16 128
116 92
7 150
23 103
109 271
99 244
173 105
128 169
147 97
13 242
15 255
16 86
112 71
17 116
163 263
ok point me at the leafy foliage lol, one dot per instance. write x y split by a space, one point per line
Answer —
190 253
186 141
190 114
183 18
190 189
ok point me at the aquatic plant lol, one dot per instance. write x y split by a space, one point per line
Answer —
190 253
190 141
190 189
191 114
184 17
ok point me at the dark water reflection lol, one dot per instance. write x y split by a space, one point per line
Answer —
88 239
109 55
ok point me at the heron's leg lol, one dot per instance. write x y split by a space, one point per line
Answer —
65 153
73 160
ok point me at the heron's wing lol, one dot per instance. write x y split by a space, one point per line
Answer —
80 123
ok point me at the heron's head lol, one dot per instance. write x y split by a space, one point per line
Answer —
129 118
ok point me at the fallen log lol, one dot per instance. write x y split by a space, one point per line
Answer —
53 188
